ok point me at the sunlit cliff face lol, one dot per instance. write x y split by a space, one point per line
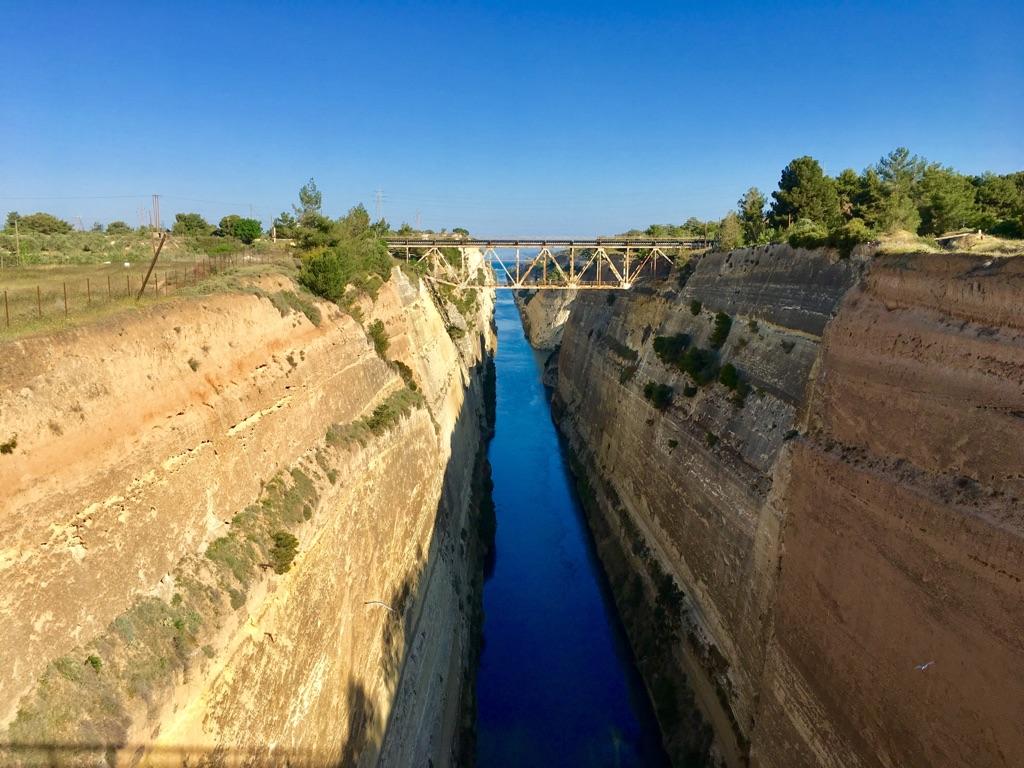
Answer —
233 558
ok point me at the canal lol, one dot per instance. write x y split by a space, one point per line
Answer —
557 685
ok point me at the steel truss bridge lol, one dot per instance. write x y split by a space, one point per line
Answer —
599 264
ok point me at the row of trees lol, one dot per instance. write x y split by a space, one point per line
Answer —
48 224
194 225
901 192
185 224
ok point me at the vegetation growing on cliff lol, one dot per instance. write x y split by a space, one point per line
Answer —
723 324
379 336
393 409
731 378
660 395
84 698
624 351
670 349
288 301
283 552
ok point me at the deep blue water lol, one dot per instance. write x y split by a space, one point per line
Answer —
556 685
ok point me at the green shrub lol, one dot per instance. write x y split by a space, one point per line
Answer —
95 662
323 274
386 415
9 445
689 390
849 236
283 552
700 364
624 351
695 307
44 224
723 324
711 439
236 554
670 349
660 395
289 301
189 224
729 376
406 373
807 234
247 230
379 337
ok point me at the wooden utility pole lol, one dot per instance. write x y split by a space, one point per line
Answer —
156 253
17 241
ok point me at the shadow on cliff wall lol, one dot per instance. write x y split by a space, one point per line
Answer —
465 549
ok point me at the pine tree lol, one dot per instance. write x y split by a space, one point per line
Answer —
894 201
730 233
310 201
751 209
805 192
947 200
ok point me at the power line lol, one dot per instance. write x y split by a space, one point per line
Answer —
74 197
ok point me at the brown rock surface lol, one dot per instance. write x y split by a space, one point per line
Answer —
819 572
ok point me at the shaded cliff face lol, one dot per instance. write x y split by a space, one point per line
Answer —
227 525
803 541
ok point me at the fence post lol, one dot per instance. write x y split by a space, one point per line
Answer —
7 309
65 299
108 288
39 301
128 278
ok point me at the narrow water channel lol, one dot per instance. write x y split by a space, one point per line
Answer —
557 685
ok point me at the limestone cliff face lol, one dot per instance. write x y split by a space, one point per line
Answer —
233 532
789 562
544 314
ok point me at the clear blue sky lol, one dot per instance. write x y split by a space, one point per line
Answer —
507 118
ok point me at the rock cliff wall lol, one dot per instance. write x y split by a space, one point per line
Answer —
544 314
821 556
232 530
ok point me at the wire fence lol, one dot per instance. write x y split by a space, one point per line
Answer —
34 296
